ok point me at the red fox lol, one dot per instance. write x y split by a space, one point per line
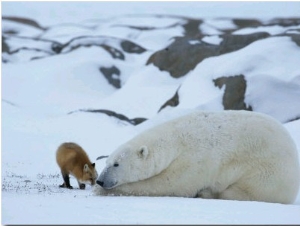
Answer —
72 159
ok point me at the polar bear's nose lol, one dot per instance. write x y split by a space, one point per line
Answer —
100 183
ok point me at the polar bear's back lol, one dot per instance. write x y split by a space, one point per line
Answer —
250 150
248 129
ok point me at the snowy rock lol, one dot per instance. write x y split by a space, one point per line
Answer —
182 56
234 94
214 64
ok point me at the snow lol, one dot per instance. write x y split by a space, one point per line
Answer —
264 73
273 30
214 39
38 95
66 12
135 210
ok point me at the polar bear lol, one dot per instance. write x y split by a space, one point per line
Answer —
232 155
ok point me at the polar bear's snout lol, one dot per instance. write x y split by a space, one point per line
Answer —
107 179
100 183
107 184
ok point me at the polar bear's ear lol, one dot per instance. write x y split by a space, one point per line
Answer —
143 152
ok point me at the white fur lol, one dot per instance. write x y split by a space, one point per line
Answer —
235 155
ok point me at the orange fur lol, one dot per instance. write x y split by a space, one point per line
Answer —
72 159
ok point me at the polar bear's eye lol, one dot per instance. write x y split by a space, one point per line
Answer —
116 164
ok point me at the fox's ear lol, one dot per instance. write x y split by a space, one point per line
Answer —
85 168
93 165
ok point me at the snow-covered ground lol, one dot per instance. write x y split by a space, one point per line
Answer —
41 99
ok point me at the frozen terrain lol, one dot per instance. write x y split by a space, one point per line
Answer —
97 75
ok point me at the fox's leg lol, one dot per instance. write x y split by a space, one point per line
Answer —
81 186
66 183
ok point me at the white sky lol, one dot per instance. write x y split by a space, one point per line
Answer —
49 13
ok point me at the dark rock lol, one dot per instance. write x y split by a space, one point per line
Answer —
285 22
137 121
241 23
234 95
181 56
115 53
88 41
294 119
131 47
101 157
110 74
295 38
140 28
5 47
173 102
24 21
10 32
232 43
134 121
192 27
56 47
21 43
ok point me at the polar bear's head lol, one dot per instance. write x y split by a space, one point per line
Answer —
140 158
127 164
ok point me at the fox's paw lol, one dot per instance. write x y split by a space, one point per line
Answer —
64 186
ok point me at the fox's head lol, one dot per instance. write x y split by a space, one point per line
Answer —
89 174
